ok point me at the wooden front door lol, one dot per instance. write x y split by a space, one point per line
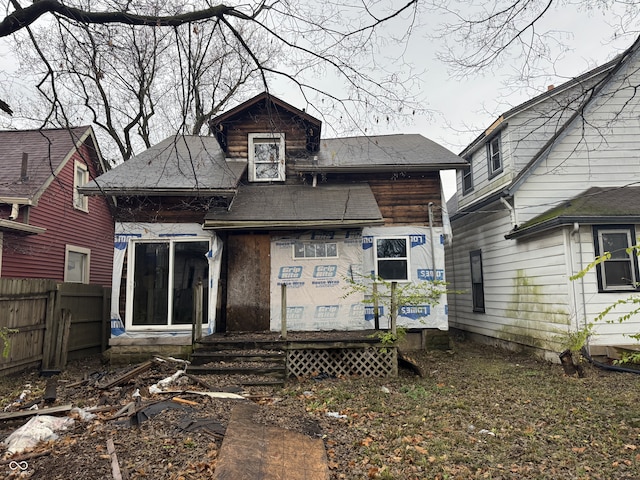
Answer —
248 273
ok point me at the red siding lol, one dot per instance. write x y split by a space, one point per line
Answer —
42 256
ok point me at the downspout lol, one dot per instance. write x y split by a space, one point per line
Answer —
576 231
14 211
433 250
512 211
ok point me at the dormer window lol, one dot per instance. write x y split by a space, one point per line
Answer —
494 156
266 157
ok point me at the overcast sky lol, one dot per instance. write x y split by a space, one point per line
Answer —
461 109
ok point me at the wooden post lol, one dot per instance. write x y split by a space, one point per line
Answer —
394 307
376 314
283 314
106 319
49 344
64 329
196 331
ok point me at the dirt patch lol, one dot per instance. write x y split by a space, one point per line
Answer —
477 413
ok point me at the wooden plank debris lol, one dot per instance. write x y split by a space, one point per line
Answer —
115 467
30 413
143 367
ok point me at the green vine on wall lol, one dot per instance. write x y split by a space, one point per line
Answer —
4 338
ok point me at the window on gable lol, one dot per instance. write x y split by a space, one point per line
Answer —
81 177
620 272
392 258
494 155
467 179
266 157
76 264
477 281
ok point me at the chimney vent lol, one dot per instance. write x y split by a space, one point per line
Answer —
23 170
550 87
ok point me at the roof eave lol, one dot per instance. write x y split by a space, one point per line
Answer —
378 168
571 220
155 192
20 228
288 224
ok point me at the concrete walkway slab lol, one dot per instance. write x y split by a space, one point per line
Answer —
252 451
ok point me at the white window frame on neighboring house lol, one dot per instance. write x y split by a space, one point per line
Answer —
494 155
620 258
260 166
85 255
467 179
477 281
384 259
80 178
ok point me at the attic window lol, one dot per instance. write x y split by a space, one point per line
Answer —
494 156
266 157
81 177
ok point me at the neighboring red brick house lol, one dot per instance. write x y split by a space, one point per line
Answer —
47 229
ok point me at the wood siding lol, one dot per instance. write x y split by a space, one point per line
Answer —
260 120
403 198
43 256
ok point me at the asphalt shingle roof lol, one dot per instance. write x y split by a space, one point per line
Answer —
280 205
595 205
46 150
386 151
178 164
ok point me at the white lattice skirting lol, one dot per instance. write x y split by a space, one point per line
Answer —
364 362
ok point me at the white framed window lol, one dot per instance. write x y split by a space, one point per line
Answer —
266 157
494 155
315 250
392 258
163 274
80 178
76 264
620 272
467 179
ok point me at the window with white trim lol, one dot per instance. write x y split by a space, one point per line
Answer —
315 250
76 261
392 258
620 272
477 281
163 276
80 178
266 157
494 155
467 179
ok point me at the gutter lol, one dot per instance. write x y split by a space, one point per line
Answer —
570 220
312 169
190 192
287 224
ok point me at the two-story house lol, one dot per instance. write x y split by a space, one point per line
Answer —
267 202
47 228
551 185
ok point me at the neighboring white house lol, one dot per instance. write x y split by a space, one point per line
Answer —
551 184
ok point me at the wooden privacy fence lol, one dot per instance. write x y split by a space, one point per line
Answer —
50 322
